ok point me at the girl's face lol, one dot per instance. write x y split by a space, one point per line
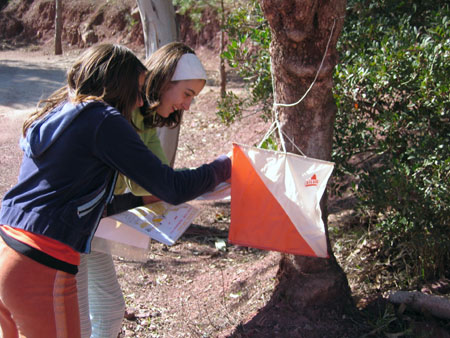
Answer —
140 101
179 96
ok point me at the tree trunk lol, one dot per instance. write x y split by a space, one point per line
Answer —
58 27
158 22
222 71
301 31
160 28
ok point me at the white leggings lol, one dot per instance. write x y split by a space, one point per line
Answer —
100 298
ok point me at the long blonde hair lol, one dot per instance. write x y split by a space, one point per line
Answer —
105 72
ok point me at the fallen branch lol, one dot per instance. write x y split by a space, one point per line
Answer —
437 306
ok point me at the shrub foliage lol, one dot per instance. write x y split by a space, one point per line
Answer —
392 131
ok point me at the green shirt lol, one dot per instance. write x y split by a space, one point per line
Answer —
150 138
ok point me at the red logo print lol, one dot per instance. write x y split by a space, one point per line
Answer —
312 182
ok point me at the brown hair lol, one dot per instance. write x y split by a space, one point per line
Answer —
161 66
105 72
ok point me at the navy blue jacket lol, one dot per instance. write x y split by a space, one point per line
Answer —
71 159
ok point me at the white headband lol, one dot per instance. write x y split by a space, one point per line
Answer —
189 67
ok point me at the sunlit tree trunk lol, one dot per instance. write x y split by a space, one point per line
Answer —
160 28
58 27
301 31
158 22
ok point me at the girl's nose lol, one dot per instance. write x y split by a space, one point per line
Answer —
187 103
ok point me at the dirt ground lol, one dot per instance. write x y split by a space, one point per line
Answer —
197 287
202 286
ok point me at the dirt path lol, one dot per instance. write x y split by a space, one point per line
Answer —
190 289
24 79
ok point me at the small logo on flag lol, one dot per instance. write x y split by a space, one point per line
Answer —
312 182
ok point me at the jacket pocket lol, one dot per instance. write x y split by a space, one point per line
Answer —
86 208
82 212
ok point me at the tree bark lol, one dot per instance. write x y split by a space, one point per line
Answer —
301 32
222 71
158 22
160 28
58 27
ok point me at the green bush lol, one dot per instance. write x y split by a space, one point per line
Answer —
248 55
392 131
392 89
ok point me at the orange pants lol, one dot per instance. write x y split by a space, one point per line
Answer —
36 301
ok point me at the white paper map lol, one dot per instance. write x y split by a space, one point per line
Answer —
221 192
161 221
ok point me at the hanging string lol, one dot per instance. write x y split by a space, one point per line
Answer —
272 128
267 135
276 123
295 146
277 120
315 78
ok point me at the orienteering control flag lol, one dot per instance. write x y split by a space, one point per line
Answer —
275 200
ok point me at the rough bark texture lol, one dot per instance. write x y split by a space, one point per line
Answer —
301 31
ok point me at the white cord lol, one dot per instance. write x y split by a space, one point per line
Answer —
315 78
276 123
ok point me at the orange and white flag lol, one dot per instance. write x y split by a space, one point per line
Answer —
275 199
